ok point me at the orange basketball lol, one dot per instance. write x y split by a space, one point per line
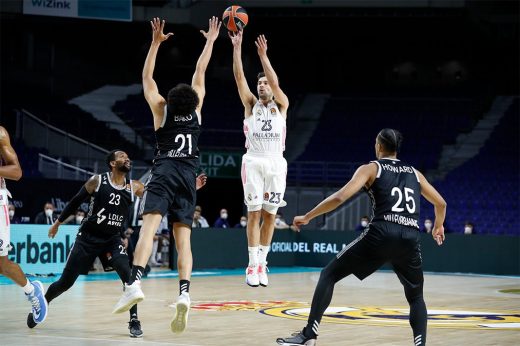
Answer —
235 18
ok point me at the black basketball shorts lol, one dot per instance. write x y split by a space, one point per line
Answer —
171 188
383 243
88 246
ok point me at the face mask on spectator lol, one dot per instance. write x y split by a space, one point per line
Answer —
79 219
11 213
223 216
364 223
468 230
48 212
243 223
428 225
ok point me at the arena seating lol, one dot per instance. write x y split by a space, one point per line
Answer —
348 127
485 189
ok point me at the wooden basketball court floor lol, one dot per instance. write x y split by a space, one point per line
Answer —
227 312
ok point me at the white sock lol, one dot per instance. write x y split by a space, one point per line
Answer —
262 253
28 288
253 255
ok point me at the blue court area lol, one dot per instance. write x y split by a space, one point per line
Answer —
163 274
168 274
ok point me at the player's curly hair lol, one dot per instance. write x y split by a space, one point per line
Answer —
182 99
390 139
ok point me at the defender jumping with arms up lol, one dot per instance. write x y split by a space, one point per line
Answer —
171 185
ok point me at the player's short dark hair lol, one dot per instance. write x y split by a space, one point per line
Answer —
182 99
390 139
111 156
260 75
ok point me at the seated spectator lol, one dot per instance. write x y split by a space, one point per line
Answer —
222 221
362 224
428 224
203 222
196 219
47 216
77 218
242 223
469 228
279 222
12 218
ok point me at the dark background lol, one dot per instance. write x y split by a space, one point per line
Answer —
461 52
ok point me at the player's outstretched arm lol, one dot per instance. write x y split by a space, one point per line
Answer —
363 175
439 204
272 78
202 64
86 190
11 168
246 96
151 92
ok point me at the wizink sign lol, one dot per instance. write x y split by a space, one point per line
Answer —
94 9
36 252
58 8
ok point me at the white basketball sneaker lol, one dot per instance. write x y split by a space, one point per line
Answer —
262 274
132 294
182 309
252 276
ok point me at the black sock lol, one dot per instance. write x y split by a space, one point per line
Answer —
309 333
137 273
133 312
184 286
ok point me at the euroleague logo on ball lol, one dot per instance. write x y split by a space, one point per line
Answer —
235 18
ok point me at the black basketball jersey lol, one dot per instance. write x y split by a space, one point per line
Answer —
108 208
178 136
395 193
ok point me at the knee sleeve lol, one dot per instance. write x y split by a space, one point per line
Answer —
414 293
122 267
67 279
65 282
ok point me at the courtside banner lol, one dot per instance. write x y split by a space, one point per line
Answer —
89 9
36 252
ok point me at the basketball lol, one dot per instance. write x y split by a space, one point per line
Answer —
235 18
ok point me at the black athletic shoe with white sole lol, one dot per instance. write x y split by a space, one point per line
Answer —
135 328
297 339
30 321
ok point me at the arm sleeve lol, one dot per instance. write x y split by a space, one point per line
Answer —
74 204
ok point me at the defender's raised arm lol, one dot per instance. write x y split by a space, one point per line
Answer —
202 64
151 92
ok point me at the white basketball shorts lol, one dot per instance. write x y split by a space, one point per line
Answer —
264 180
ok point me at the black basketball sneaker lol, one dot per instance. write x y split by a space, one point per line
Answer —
296 339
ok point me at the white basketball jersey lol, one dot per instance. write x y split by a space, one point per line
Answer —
265 130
